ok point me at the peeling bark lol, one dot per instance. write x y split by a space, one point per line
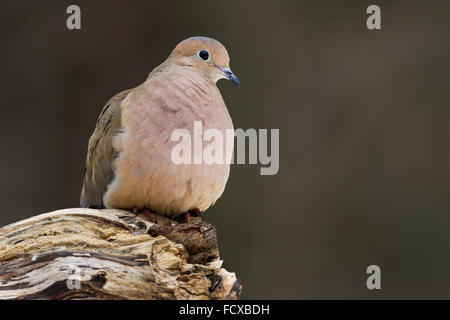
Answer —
111 254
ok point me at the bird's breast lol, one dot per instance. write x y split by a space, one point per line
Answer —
145 171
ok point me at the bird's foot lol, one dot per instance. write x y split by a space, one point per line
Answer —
186 217
146 212
195 213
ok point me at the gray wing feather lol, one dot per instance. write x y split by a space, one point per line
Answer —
100 155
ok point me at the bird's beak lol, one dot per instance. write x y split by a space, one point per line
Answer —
230 75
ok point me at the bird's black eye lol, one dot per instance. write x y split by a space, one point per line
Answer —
203 54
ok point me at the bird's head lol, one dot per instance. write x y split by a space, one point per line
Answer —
207 55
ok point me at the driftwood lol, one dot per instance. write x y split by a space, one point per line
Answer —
111 254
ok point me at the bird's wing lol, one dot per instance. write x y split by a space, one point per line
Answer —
101 154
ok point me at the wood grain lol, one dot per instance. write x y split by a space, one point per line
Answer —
111 254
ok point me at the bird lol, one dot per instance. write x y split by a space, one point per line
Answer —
128 162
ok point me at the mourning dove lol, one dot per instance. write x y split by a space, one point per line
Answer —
129 163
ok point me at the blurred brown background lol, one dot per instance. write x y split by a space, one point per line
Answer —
364 130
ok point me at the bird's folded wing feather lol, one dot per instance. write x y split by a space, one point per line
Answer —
101 154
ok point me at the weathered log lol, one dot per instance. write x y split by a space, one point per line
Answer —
111 254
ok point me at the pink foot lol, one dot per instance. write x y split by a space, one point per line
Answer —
148 214
195 212
186 217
